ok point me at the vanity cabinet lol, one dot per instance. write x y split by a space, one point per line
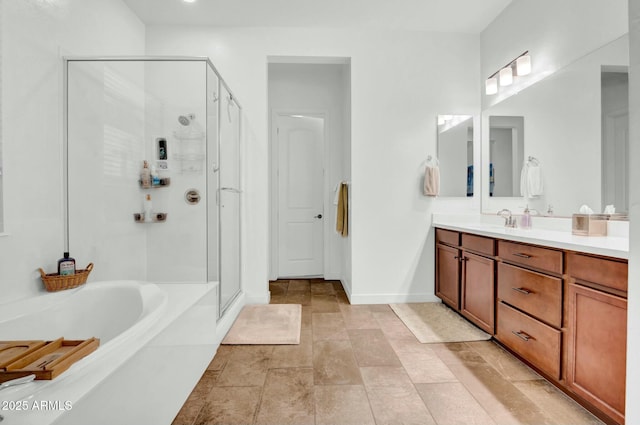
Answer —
562 312
465 276
597 332
529 282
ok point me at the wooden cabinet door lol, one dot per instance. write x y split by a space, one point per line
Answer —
448 275
597 348
478 291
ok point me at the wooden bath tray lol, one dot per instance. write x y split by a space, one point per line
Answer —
45 359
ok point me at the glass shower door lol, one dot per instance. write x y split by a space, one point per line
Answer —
213 181
229 198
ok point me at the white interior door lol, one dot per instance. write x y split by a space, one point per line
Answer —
300 195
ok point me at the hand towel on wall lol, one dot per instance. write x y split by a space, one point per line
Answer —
342 216
531 185
432 180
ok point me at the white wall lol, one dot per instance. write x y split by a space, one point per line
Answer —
555 34
35 34
633 312
400 81
308 88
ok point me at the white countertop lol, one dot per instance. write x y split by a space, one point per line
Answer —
611 246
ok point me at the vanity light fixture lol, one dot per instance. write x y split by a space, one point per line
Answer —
521 65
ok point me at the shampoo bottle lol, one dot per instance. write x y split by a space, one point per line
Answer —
145 176
66 265
148 209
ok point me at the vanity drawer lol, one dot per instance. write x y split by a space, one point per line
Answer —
448 237
536 342
601 271
531 256
535 293
479 244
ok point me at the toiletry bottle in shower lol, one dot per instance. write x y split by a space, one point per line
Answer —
155 178
148 208
145 176
66 265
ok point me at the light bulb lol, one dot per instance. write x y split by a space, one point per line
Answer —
491 85
523 65
506 76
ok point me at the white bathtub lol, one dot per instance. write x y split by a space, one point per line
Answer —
119 313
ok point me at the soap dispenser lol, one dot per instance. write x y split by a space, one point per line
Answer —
525 222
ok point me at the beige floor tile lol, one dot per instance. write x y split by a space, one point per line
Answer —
328 326
425 366
298 297
322 288
385 376
220 359
278 287
342 298
343 405
392 326
324 304
505 403
287 398
372 349
335 364
380 308
299 286
278 299
451 404
457 352
503 361
300 355
247 366
196 400
398 405
230 406
409 343
306 322
557 408
358 317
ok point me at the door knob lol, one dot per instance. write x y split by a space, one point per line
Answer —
318 216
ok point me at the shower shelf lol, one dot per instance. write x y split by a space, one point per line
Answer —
164 182
157 218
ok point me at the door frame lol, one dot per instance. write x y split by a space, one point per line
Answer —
274 145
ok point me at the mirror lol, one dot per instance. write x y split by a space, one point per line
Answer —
506 154
455 155
576 128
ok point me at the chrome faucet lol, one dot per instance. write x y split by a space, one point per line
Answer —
509 220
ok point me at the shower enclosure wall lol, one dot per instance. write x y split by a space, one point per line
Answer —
179 116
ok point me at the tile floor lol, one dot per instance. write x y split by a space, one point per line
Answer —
360 365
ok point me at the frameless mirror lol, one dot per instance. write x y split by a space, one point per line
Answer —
577 129
455 155
506 155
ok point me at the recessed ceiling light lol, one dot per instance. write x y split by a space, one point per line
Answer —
189 1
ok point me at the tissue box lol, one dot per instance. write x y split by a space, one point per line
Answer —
589 224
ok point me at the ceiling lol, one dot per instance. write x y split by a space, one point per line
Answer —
465 16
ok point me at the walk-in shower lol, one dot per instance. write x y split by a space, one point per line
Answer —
180 117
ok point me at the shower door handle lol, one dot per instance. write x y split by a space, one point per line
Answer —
231 189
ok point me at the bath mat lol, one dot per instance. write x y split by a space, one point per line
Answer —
435 322
268 324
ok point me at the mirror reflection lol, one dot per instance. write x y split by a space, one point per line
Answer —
506 154
576 127
455 154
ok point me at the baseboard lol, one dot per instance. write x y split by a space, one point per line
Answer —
391 298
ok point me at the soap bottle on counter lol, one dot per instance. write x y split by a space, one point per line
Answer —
148 208
525 222
66 265
145 176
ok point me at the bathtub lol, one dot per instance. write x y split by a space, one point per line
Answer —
127 316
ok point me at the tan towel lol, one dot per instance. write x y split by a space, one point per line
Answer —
342 217
432 181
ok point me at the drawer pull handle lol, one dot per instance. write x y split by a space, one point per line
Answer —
521 255
522 290
523 336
